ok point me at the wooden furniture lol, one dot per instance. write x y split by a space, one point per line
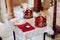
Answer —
55 27
37 5
0 38
10 8
54 18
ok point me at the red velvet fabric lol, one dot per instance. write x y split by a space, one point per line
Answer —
24 29
26 12
38 20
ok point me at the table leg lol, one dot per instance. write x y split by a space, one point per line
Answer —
14 35
44 36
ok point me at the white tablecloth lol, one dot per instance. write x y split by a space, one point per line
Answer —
5 32
37 31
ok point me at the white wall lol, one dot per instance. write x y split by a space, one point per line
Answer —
0 10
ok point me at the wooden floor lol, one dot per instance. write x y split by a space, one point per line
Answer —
57 37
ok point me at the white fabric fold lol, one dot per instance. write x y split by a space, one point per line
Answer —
5 32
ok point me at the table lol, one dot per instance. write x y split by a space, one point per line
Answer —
32 33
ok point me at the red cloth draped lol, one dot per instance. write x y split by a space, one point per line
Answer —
24 29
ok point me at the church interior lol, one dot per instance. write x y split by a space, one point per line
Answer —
29 19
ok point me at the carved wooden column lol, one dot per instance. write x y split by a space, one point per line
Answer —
54 18
10 8
37 5
54 15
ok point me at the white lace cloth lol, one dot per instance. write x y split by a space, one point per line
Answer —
5 32
25 35
29 34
